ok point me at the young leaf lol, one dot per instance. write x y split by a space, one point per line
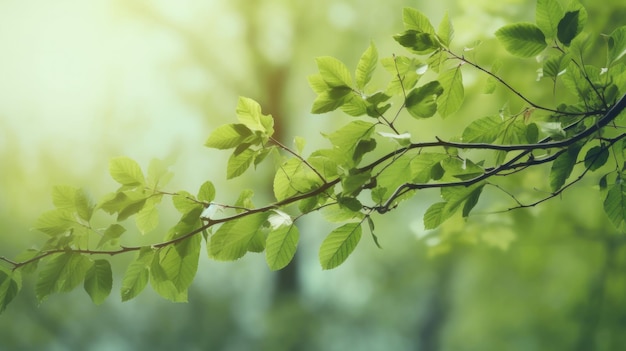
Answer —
562 167
339 244
617 44
54 222
417 21
366 66
423 164
238 163
10 285
228 136
126 171
571 24
281 246
452 97
137 274
64 197
62 273
334 72
206 192
147 218
99 281
547 15
445 32
422 102
249 114
522 39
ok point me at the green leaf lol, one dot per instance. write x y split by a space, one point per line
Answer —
422 102
158 174
180 262
353 184
281 246
162 284
333 72
562 167
422 166
596 157
206 192
238 163
249 114
415 20
522 39
83 204
547 15
339 244
232 239
113 232
555 66
137 274
64 197
62 273
457 196
452 97
418 42
396 174
615 203
445 32
472 200
54 222
346 137
617 44
147 218
366 66
434 215
293 177
228 136
331 99
571 24
126 171
483 130
462 169
10 285
317 83
99 281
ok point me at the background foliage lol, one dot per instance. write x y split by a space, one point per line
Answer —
548 277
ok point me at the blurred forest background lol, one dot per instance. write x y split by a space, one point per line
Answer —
84 81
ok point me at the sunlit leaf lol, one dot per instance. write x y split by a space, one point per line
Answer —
522 39
452 97
547 15
61 273
281 246
339 244
617 44
445 32
228 136
366 66
334 72
415 20
126 171
232 239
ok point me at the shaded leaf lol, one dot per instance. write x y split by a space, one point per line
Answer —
99 281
